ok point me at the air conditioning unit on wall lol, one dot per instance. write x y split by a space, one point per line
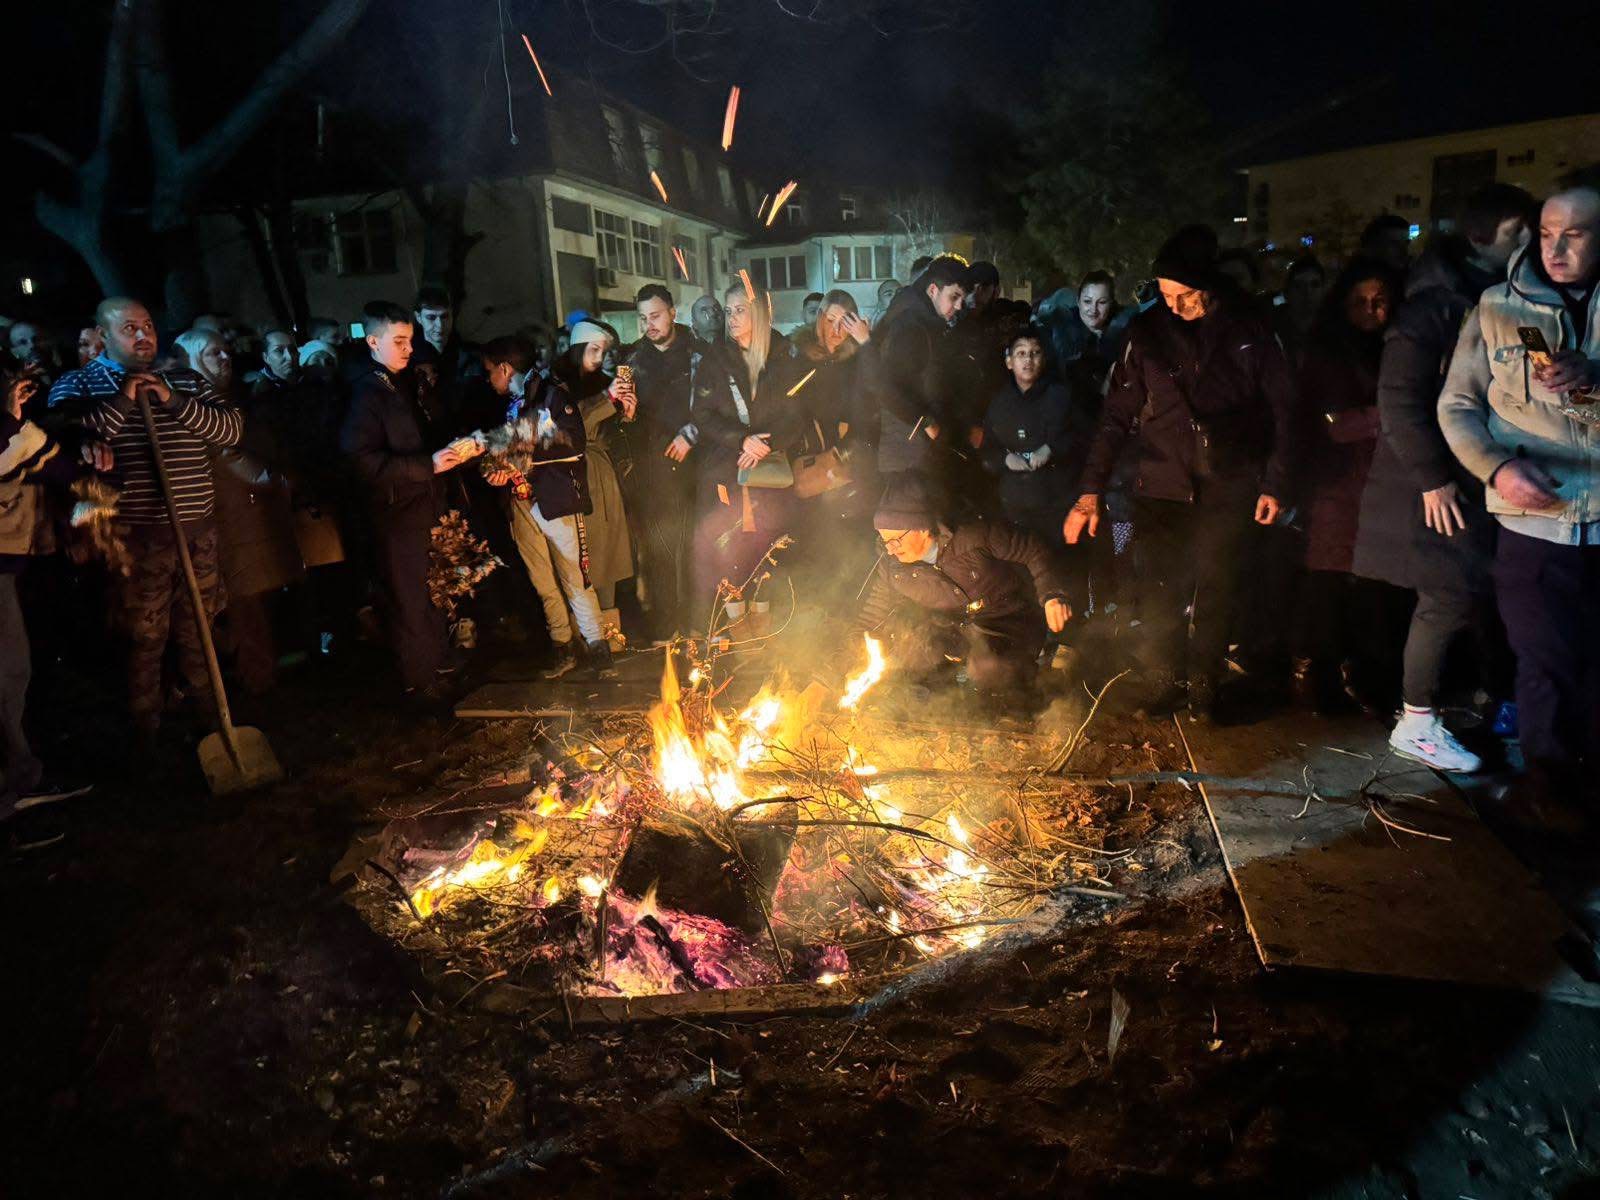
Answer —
606 277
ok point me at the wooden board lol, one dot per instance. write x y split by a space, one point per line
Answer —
1326 886
778 999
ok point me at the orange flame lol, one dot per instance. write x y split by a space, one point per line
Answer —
858 685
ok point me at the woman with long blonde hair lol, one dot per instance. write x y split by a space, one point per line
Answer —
746 424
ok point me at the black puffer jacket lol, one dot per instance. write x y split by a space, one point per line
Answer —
1393 544
661 379
560 489
1018 423
390 438
1211 399
1000 568
772 411
909 378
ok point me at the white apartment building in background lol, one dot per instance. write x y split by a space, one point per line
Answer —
571 219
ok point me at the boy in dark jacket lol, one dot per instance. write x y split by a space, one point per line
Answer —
975 590
386 436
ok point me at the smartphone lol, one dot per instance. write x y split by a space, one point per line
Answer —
357 332
1538 349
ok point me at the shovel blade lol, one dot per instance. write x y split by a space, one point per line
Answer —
256 767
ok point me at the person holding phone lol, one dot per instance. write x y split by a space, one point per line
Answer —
1505 417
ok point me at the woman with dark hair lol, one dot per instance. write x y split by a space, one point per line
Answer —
747 421
586 369
549 520
1346 618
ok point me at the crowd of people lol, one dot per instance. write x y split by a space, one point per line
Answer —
1314 483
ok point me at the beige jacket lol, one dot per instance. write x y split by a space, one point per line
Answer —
1492 409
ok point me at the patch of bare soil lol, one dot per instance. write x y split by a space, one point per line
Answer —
194 1009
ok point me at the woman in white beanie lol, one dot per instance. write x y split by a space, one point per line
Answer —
581 369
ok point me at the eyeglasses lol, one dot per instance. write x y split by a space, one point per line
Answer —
893 544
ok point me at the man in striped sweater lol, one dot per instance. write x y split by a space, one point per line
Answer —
189 419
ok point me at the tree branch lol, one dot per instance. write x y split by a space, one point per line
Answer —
213 149
48 148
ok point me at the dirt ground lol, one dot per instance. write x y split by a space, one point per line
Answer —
194 1010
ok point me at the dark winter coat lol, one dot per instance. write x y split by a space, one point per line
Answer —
721 432
909 378
1338 392
831 397
255 515
1211 400
1393 544
561 489
661 380
999 568
390 439
1048 414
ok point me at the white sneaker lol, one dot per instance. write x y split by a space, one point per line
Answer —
1423 737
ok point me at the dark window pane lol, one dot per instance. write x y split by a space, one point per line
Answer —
571 215
797 270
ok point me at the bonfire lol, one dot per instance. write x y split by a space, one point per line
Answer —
709 845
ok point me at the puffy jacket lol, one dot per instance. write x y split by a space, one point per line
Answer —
1001 569
661 379
1212 401
389 438
908 377
771 410
1492 409
1017 423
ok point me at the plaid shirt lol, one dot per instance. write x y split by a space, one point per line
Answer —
196 420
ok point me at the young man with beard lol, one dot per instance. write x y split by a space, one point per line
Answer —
1206 386
387 435
191 420
910 373
1527 424
659 491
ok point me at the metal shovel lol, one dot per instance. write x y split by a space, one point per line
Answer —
236 758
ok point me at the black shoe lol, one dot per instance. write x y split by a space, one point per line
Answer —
566 662
600 660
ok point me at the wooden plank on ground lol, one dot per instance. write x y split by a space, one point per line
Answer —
778 999
1326 886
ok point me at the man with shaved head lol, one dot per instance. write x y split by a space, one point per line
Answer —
190 419
1521 410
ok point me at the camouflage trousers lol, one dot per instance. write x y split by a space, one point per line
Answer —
156 607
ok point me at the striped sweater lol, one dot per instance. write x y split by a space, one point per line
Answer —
196 419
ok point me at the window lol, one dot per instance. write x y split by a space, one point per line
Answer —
758 272
725 180
797 270
777 273
794 214
621 151
1520 160
647 250
571 215
364 242
611 240
654 160
1407 200
780 272
313 240
691 171
862 263
847 208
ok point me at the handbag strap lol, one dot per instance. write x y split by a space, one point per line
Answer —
738 401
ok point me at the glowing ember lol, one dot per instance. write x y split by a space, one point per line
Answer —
778 201
857 686
749 288
683 263
660 187
804 380
729 117
536 65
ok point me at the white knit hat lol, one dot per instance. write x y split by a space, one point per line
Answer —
585 332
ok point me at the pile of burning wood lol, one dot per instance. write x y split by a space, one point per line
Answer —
700 847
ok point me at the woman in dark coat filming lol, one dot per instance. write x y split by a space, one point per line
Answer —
1346 618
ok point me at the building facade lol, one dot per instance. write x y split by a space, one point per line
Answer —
1322 202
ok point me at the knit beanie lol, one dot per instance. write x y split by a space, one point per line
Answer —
1188 257
906 504
585 332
